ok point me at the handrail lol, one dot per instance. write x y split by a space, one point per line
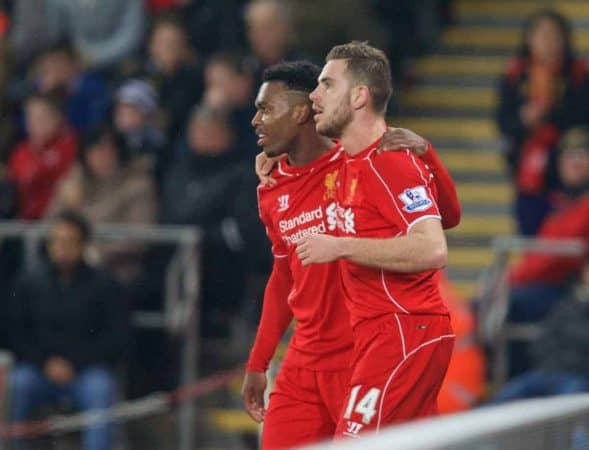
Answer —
182 284
494 297
171 234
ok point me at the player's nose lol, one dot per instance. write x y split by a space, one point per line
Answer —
313 95
256 119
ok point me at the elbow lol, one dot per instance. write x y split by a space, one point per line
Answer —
438 257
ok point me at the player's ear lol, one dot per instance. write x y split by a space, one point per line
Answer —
360 96
302 113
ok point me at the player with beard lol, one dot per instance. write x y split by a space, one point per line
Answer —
314 377
390 244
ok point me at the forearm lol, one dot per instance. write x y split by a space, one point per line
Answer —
406 254
448 202
275 319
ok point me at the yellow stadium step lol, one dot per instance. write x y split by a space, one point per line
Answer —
449 97
231 421
453 128
485 193
518 8
472 160
500 38
488 225
466 288
440 65
471 258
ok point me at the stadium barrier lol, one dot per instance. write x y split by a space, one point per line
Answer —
493 299
557 423
181 313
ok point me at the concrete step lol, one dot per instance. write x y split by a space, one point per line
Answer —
484 99
485 193
497 38
470 258
466 288
472 160
451 128
231 420
519 8
485 225
459 66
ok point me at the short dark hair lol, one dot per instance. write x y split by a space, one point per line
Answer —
77 220
297 75
236 61
96 135
53 99
367 65
561 23
63 47
168 19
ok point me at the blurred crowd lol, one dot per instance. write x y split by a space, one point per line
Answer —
139 112
543 115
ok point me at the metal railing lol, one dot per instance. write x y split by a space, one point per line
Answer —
181 312
494 330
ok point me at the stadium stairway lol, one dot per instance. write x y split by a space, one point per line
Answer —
452 103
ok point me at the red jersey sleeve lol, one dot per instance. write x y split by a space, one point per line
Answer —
276 314
279 249
275 319
448 202
404 190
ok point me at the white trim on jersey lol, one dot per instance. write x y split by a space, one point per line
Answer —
398 366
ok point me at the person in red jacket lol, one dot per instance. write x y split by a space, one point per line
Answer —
43 158
539 281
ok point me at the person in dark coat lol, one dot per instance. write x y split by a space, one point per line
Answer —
70 330
544 91
173 69
211 187
560 354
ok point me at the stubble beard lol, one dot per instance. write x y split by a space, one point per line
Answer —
334 126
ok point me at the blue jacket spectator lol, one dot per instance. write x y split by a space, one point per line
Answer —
85 96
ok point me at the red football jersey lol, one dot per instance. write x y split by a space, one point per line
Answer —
380 196
302 203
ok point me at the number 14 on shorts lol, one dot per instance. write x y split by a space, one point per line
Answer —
366 406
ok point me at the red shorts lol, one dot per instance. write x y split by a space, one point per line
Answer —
399 364
304 407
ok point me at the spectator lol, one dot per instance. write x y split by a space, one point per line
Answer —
539 279
229 84
34 28
41 160
544 91
84 96
106 186
331 22
134 116
270 33
102 32
70 329
8 128
560 354
211 188
212 25
173 70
